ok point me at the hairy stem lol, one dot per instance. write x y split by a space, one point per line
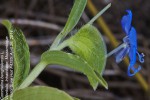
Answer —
58 40
33 75
39 68
62 45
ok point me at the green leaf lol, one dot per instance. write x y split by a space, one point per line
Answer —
54 57
39 93
72 61
89 45
21 54
73 19
75 15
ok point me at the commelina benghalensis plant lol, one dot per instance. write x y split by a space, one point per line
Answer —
88 56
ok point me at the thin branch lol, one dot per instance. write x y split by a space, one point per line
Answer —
35 23
35 41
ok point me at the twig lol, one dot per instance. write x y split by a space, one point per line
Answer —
85 17
35 23
35 41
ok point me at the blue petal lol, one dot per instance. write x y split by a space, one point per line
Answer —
121 54
132 37
134 71
126 22
132 56
131 40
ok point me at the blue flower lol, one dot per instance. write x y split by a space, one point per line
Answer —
130 45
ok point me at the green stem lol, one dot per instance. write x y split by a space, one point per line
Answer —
99 14
61 46
117 49
58 39
55 46
33 75
39 68
64 33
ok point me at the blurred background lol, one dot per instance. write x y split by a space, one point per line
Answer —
42 20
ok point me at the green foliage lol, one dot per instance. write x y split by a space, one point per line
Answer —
73 19
74 16
39 93
89 58
89 45
72 61
20 53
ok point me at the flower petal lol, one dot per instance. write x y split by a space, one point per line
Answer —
134 71
126 21
121 54
132 56
131 40
132 37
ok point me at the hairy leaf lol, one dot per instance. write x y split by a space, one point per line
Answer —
73 19
21 54
72 61
39 93
75 15
89 45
